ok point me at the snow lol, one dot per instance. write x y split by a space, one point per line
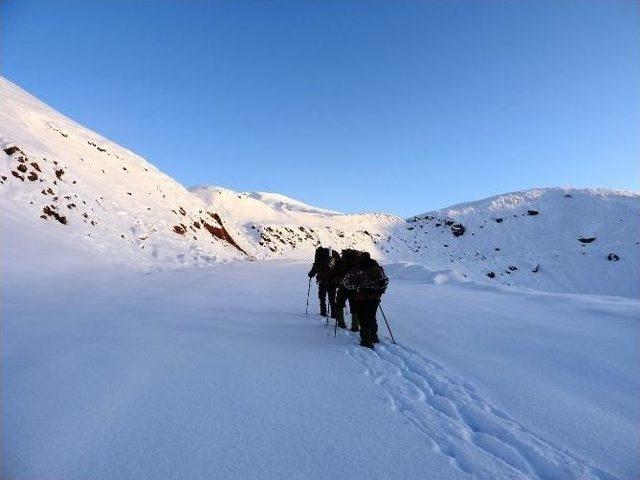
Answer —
216 372
132 350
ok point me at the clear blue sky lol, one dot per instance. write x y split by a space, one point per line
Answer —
398 106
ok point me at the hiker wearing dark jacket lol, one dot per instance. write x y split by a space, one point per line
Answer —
366 285
349 265
325 267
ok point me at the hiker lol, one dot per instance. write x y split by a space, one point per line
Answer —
366 283
350 259
325 266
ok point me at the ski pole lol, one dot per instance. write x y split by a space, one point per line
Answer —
306 312
385 321
328 313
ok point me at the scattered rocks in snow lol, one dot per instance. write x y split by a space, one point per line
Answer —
612 257
49 211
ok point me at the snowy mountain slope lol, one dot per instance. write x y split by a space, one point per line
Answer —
536 238
59 178
63 179
283 227
555 239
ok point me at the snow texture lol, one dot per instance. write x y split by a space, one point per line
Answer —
121 360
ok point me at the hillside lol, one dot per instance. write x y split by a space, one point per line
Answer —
552 239
60 179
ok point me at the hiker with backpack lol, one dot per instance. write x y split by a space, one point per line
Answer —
325 267
349 265
365 285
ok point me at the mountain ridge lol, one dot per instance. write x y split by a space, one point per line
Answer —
101 196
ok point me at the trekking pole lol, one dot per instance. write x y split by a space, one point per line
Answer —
306 312
385 321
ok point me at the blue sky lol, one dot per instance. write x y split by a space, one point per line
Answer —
397 106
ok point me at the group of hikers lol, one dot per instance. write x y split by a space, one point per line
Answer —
352 277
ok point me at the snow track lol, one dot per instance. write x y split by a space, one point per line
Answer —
456 422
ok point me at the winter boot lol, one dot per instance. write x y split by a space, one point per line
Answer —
366 344
340 318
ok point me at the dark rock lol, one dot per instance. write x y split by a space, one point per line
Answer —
513 268
612 257
587 239
457 229
33 176
49 211
532 212
536 269
491 275
498 220
22 168
11 150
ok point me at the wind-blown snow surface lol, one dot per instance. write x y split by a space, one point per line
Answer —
216 372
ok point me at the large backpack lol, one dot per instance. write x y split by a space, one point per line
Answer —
369 278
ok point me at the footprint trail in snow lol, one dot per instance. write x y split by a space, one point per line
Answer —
456 422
